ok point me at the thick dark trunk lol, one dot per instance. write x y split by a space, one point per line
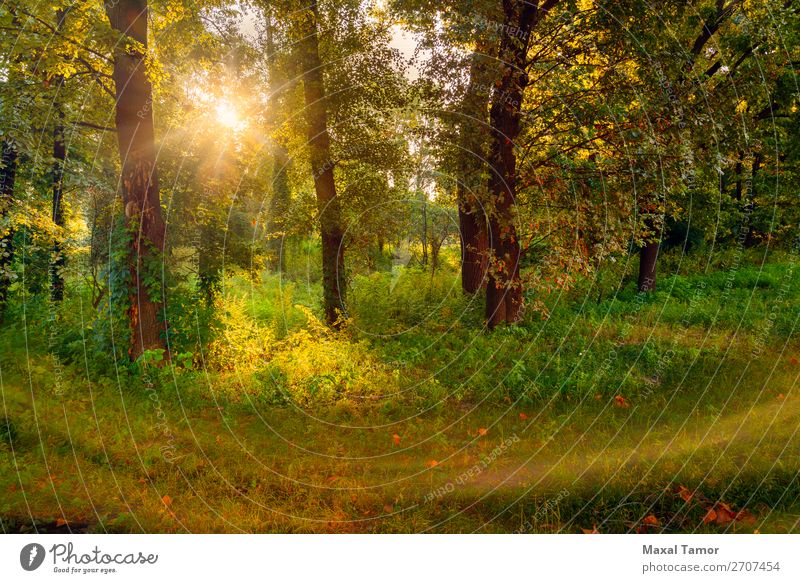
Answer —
333 275
750 239
470 191
59 259
648 258
8 173
474 244
139 179
504 288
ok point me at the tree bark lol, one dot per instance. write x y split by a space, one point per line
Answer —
751 200
503 288
59 259
8 173
322 168
139 178
470 192
281 194
648 256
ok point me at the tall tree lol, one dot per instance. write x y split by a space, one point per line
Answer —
319 144
281 192
472 218
503 287
8 173
59 258
139 178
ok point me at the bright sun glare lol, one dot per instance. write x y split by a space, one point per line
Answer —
228 116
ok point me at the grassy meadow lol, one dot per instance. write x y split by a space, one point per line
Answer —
606 410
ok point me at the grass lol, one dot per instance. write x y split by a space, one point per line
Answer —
617 412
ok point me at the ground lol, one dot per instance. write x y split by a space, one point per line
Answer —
674 413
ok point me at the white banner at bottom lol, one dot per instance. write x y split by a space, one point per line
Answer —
399 558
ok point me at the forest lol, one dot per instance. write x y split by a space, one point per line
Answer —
399 266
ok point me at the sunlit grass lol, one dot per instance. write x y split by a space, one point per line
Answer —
218 451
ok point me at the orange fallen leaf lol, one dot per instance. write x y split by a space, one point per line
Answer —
333 478
781 396
396 439
166 499
710 516
794 361
685 493
523 416
651 520
598 396
620 401
592 531
432 463
724 514
482 431
61 522
388 508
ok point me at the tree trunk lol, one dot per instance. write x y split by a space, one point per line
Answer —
474 244
504 288
59 259
322 168
8 174
648 256
749 240
424 198
281 194
470 192
139 178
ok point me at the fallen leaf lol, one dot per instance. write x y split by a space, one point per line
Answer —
710 516
724 514
592 531
523 416
166 499
781 396
388 508
333 478
685 493
651 520
61 522
396 439
598 396
432 463
482 431
622 402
